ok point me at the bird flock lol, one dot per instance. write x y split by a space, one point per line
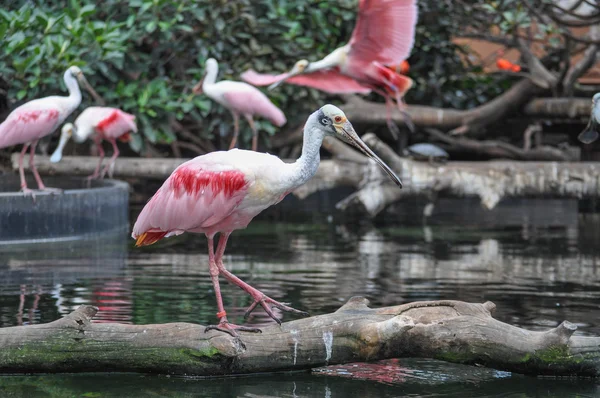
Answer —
223 191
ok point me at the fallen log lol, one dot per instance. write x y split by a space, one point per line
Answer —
452 331
491 181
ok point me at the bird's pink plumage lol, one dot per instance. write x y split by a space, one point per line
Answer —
116 124
330 81
253 102
28 125
384 31
198 195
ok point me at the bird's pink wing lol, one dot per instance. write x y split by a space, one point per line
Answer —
25 125
197 195
329 81
384 32
253 102
116 123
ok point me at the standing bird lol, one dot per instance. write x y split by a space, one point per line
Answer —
223 191
104 124
38 118
590 133
383 35
241 99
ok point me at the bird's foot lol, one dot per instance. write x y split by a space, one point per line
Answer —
231 328
55 191
267 303
28 192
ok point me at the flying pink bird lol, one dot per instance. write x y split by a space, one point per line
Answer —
241 99
102 123
39 118
383 35
223 191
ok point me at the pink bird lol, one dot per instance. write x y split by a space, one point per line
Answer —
223 191
102 123
39 118
384 35
241 99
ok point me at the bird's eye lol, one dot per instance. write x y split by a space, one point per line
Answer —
338 119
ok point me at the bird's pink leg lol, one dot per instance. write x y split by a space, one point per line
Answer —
38 179
111 164
224 325
254 132
236 129
96 174
402 108
24 188
258 296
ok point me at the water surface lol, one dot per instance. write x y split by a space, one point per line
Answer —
539 265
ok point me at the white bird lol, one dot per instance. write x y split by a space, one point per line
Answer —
103 123
223 191
241 99
39 118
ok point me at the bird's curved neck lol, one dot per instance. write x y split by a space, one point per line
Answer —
74 97
211 76
307 164
335 58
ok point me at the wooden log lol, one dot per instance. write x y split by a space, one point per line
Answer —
453 331
491 181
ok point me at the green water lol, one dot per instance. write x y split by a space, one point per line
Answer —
538 274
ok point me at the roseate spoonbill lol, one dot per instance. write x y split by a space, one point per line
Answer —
241 99
590 133
103 123
38 118
223 191
383 35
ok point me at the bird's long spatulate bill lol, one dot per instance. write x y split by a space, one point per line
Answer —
83 81
57 155
357 142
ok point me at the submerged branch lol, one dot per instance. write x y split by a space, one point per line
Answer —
453 331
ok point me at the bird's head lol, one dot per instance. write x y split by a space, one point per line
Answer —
596 98
334 122
298 68
211 64
65 134
77 73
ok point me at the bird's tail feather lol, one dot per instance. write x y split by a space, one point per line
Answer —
149 238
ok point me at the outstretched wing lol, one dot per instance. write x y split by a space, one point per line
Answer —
329 81
385 31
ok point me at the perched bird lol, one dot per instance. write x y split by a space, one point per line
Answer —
223 191
241 99
38 118
383 35
590 133
103 123
504 64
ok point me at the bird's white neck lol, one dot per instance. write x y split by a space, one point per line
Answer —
74 98
212 70
307 164
336 58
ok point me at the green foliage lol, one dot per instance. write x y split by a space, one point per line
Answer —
145 55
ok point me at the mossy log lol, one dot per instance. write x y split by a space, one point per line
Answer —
453 331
